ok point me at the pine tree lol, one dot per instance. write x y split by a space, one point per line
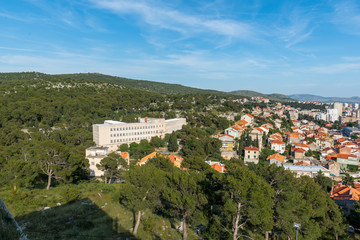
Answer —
173 144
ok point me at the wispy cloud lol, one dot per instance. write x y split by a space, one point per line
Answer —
337 68
347 16
174 20
296 27
17 49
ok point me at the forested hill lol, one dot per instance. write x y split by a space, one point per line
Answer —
274 96
152 86
157 87
309 97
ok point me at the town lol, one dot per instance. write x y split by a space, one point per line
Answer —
305 142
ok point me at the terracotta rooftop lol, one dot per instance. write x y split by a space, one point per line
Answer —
251 148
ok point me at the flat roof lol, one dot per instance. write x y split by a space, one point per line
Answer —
306 168
174 119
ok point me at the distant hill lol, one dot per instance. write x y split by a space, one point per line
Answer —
274 96
152 86
309 97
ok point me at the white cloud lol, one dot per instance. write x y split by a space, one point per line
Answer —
174 20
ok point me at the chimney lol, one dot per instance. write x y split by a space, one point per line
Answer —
146 119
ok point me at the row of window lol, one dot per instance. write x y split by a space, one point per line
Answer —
134 128
133 133
128 139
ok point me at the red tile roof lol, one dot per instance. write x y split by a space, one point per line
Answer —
251 148
342 192
276 156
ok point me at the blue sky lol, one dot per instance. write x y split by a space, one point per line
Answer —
270 46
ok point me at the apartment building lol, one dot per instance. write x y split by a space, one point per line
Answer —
112 134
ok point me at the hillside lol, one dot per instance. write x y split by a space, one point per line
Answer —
274 96
151 86
309 97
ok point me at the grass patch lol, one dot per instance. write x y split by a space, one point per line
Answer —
87 210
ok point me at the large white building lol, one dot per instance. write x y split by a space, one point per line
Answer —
112 134
339 107
332 115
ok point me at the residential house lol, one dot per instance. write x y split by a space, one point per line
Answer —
248 118
96 154
334 168
346 196
227 142
176 160
220 167
251 154
146 158
276 159
298 153
347 160
278 146
301 145
256 133
227 155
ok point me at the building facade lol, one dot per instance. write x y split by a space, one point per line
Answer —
112 134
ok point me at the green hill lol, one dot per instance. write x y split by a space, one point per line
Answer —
152 86
274 96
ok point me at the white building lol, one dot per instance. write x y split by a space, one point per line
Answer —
339 107
112 134
311 171
96 154
332 115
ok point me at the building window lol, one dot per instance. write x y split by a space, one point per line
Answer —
248 156
92 163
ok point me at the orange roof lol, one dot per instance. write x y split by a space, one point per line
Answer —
298 150
300 145
223 135
174 158
147 157
292 135
278 142
251 148
124 154
342 192
249 115
244 121
236 127
218 168
302 163
276 156
345 156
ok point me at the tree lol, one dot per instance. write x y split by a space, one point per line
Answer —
173 144
324 182
112 165
184 196
195 163
141 191
247 202
348 180
124 147
157 142
52 161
